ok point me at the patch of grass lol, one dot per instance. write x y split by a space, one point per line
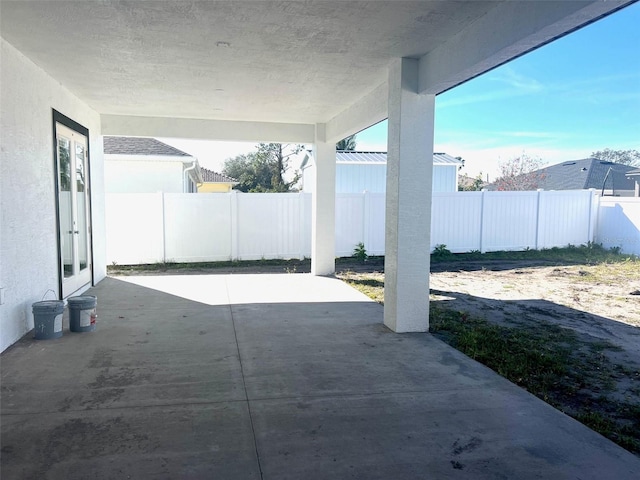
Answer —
441 251
588 254
609 272
371 286
287 265
537 359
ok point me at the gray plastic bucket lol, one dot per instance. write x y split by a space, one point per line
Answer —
82 313
47 319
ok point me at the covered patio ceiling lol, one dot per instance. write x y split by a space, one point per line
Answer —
300 63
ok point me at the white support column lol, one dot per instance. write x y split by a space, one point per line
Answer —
408 201
323 243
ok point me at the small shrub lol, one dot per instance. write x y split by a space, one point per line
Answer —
360 253
441 251
615 250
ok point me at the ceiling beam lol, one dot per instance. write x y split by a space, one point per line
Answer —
200 129
369 110
507 31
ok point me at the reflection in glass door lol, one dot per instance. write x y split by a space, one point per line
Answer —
73 209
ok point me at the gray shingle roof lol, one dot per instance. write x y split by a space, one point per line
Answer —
584 174
139 146
215 177
343 156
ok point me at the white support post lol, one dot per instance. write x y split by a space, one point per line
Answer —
323 244
408 200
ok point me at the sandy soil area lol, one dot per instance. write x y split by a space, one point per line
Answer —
601 301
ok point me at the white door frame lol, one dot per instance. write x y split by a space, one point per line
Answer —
73 206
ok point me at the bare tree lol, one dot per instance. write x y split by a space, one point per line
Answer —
520 173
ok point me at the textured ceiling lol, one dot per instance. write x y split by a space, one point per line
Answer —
297 62
286 61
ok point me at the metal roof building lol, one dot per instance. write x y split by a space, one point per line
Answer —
357 172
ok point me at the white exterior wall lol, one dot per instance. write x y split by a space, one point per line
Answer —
445 178
352 178
28 247
371 177
143 176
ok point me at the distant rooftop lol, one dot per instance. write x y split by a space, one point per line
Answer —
214 177
140 146
584 174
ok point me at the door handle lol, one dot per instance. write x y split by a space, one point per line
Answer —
73 231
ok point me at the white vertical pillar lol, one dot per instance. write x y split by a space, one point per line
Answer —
323 248
408 200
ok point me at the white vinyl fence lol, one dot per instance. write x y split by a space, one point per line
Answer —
176 227
619 224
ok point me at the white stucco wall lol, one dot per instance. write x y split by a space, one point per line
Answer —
28 243
141 176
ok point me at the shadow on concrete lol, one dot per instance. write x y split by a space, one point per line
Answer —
169 387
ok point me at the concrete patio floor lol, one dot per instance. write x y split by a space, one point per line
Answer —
274 377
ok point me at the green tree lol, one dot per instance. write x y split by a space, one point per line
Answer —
265 170
469 184
348 143
624 157
520 173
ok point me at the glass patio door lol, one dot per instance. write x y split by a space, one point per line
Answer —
73 209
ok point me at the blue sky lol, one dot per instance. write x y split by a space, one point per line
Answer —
560 102
563 101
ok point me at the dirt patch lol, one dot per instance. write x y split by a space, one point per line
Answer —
596 300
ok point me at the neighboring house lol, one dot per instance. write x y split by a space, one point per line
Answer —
146 165
605 177
635 176
357 172
214 182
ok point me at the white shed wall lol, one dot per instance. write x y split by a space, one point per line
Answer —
28 247
445 178
358 178
142 176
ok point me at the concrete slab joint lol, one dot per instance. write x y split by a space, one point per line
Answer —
408 200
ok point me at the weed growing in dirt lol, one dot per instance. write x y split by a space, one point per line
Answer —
360 252
441 251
